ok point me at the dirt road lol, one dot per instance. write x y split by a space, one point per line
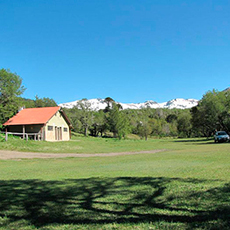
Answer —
6 155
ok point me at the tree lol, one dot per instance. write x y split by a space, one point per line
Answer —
118 122
156 126
144 125
184 124
86 115
10 90
44 102
99 125
26 103
144 129
74 114
212 113
109 101
123 126
171 118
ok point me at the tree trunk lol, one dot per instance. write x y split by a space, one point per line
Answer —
86 131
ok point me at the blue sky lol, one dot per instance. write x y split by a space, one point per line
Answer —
129 50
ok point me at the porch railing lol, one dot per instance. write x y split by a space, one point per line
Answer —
35 136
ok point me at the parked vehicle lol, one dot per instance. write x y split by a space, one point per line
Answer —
221 136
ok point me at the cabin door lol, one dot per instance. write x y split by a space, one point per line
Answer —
58 133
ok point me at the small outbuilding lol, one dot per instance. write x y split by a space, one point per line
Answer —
46 123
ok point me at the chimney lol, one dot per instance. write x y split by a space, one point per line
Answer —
21 108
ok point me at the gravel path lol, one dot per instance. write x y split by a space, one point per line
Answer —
6 155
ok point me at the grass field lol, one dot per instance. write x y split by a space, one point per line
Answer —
185 187
80 144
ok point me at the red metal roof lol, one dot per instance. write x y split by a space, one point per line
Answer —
33 116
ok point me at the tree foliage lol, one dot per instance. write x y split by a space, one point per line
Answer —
44 102
184 124
83 116
212 113
10 90
118 122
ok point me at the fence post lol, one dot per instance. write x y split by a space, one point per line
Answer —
6 136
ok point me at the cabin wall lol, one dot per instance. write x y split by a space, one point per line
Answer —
57 129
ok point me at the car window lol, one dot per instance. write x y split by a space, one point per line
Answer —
221 133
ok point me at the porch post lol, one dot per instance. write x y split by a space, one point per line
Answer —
43 133
23 131
6 137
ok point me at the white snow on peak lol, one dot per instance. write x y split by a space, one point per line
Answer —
181 103
97 104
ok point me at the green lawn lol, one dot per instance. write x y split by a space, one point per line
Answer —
80 144
185 187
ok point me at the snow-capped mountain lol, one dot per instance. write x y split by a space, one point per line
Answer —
97 104
226 90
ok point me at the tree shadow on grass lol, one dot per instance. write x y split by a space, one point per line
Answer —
213 143
132 200
205 140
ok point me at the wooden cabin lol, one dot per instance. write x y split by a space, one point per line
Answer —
46 123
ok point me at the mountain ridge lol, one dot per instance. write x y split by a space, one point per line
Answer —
98 104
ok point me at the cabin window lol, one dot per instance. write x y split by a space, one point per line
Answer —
65 130
50 128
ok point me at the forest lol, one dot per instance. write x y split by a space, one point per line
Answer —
211 114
